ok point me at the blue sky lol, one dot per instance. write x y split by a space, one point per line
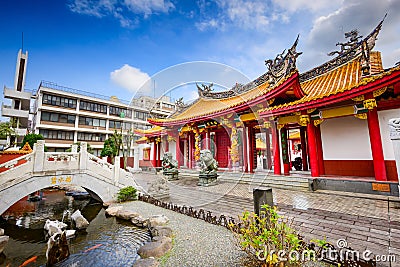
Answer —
112 47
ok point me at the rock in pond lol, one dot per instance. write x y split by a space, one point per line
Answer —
158 220
157 248
80 221
161 231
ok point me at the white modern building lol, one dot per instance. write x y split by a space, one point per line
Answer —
64 116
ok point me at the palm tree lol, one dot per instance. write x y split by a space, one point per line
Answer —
6 130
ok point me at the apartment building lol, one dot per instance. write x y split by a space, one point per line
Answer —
64 116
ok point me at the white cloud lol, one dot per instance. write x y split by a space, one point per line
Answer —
122 10
313 6
363 15
246 14
131 78
148 7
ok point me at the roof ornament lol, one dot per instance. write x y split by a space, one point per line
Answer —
350 44
180 104
350 50
283 63
206 90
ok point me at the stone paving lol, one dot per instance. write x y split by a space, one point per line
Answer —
364 221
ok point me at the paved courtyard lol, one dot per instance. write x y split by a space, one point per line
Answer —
364 221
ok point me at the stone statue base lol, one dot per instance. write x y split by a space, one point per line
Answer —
170 176
207 179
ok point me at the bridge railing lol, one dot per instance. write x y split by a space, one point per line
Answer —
100 167
16 168
40 163
60 161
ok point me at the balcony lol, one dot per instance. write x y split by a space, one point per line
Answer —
20 131
8 111
14 94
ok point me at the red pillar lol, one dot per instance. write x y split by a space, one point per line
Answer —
159 154
245 153
285 151
320 153
191 151
277 153
251 149
376 145
166 144
154 160
312 150
268 148
178 151
303 149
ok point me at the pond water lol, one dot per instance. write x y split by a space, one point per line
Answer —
114 242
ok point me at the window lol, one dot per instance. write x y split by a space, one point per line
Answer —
114 125
91 137
120 112
95 107
58 117
59 101
92 122
57 134
141 115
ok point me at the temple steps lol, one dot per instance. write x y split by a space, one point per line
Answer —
256 179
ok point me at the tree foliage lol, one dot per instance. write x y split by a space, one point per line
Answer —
32 138
127 193
112 146
6 130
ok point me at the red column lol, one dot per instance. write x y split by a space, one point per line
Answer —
312 149
166 144
245 153
303 149
154 160
285 151
251 149
277 153
159 154
320 153
268 148
190 150
376 145
178 151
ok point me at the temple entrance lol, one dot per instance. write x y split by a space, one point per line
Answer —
223 144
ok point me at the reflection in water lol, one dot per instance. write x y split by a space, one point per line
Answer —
119 239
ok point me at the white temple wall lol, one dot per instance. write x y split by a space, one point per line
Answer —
345 138
172 149
384 117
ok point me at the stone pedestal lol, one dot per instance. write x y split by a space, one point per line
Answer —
170 175
207 179
394 125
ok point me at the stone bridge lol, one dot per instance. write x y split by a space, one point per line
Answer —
39 169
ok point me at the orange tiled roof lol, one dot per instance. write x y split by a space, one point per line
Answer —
153 130
341 79
206 107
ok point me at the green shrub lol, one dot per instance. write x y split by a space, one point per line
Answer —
126 194
262 237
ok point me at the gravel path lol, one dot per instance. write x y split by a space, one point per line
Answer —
196 243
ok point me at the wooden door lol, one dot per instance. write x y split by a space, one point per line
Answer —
223 144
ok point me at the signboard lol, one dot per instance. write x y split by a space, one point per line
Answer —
381 187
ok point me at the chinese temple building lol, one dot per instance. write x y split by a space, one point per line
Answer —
339 112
